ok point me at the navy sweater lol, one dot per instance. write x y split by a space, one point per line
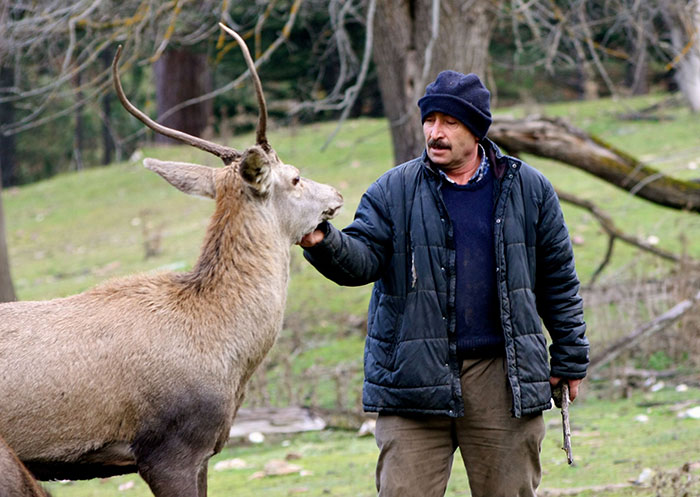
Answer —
479 332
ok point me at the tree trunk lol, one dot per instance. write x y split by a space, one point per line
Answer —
8 158
7 290
684 28
107 141
8 178
79 131
106 100
558 140
181 75
637 67
408 58
586 84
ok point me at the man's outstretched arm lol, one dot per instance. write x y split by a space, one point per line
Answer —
357 255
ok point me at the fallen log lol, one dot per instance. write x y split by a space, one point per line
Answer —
268 420
559 140
596 489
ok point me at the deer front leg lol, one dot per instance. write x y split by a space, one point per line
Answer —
174 474
167 481
175 471
173 449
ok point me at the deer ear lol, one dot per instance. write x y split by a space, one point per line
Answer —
188 178
255 168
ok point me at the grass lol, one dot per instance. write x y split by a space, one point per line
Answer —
70 232
611 446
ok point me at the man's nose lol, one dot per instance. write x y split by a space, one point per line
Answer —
436 131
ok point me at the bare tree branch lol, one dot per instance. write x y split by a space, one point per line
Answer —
353 91
615 233
337 98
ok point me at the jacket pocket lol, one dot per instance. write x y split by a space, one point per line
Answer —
383 333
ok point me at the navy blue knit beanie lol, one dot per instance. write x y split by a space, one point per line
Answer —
463 97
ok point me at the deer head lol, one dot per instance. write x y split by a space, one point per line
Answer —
297 204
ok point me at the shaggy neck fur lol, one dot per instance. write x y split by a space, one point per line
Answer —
243 247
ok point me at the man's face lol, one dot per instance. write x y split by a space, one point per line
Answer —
449 143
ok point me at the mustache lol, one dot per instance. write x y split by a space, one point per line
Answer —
432 143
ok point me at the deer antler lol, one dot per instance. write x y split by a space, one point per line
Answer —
226 154
261 139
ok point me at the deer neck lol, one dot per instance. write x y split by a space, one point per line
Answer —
243 249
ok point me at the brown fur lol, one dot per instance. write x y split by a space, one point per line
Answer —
146 373
15 480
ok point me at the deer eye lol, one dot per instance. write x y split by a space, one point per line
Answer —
296 180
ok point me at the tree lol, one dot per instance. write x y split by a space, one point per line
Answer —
636 25
180 75
79 126
7 290
106 115
7 142
7 168
683 21
413 42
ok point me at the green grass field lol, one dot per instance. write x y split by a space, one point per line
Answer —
612 446
70 232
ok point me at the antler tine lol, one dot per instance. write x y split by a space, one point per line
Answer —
226 154
261 137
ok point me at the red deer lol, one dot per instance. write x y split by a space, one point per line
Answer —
15 480
146 373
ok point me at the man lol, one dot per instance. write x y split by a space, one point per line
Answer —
468 250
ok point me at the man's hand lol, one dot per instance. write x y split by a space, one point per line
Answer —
564 392
573 385
311 239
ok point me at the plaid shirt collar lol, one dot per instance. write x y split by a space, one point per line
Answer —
478 175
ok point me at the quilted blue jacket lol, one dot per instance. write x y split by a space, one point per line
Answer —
402 240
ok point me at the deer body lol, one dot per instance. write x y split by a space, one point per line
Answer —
146 373
132 350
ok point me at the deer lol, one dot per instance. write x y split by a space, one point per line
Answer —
145 373
15 479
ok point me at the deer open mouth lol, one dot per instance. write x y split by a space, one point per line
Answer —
330 212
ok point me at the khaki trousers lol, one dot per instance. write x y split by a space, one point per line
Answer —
501 453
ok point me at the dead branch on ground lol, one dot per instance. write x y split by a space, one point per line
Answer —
644 331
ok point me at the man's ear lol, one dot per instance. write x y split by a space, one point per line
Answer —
188 178
256 168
